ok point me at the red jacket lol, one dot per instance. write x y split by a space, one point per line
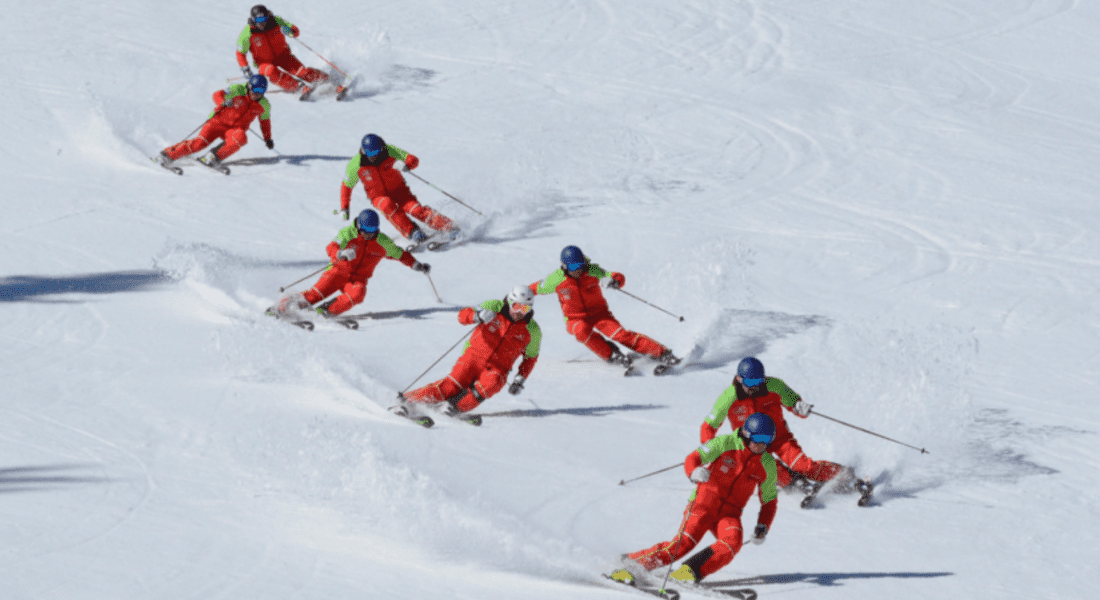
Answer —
265 46
367 253
580 297
736 405
498 343
378 180
735 472
241 111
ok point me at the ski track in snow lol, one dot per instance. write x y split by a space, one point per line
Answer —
890 204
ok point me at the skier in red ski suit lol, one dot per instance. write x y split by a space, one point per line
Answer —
355 253
234 110
506 329
386 188
727 470
577 284
264 37
753 392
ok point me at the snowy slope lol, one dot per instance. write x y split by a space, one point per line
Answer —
890 203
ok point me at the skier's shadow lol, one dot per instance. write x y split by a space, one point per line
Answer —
290 159
32 479
416 313
823 579
24 288
589 411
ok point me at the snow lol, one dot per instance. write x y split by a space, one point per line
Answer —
889 203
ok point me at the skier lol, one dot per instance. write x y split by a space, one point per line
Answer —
354 253
387 191
726 471
505 330
264 37
577 284
753 392
234 110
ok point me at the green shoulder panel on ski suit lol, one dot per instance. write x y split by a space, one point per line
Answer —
244 41
351 172
550 283
722 405
710 451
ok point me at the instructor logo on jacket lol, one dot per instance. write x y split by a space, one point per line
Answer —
742 412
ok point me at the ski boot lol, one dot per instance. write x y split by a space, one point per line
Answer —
211 160
667 360
307 93
684 574
865 489
418 239
622 360
453 412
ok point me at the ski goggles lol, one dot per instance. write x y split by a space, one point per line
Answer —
762 438
259 19
751 383
574 266
520 308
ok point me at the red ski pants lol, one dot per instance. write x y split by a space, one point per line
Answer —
234 140
726 528
397 212
279 72
338 278
471 382
585 332
792 455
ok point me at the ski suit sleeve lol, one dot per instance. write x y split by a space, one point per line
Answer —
393 252
550 284
281 22
265 119
769 491
351 177
244 43
398 153
787 396
531 353
331 250
717 414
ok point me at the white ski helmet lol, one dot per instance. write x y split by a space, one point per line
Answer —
523 296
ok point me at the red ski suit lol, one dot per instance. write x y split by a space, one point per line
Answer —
736 404
586 311
233 114
272 56
387 190
351 276
482 370
716 505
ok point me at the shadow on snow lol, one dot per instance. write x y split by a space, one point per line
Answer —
823 579
417 313
22 288
289 159
590 411
31 479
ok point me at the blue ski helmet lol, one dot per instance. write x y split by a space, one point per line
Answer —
759 428
751 371
257 84
372 145
572 258
258 16
367 221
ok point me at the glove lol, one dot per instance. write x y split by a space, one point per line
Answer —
485 315
246 71
759 533
287 31
517 385
345 213
411 162
420 267
270 144
700 475
610 283
802 408
346 254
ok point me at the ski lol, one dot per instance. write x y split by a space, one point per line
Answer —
341 93
454 239
422 420
224 170
170 167
652 591
304 324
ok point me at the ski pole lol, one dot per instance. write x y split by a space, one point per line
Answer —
653 305
446 194
626 481
338 70
437 298
922 450
284 288
253 132
679 536
464 336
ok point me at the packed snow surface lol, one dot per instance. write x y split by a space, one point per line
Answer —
892 204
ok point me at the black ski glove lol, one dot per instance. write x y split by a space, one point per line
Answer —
759 533
517 385
420 267
270 144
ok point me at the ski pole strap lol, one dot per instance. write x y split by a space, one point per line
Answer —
922 450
